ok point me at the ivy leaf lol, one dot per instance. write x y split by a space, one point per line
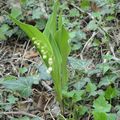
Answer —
79 64
80 84
107 80
101 105
75 95
22 85
104 67
91 87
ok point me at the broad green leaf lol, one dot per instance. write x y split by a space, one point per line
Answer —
101 105
61 38
40 40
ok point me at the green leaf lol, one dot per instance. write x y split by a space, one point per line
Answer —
99 116
104 67
81 83
40 39
50 28
107 80
110 93
101 105
61 38
75 95
91 87
80 110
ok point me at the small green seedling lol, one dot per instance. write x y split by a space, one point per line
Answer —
53 47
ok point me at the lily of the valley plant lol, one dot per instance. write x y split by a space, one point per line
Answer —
53 47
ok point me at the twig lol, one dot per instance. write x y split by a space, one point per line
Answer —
112 49
47 103
90 40
46 86
51 115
